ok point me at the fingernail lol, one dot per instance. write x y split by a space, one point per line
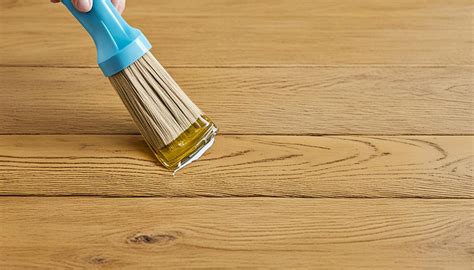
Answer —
120 8
84 5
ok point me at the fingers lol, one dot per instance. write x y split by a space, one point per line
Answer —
82 5
119 4
86 5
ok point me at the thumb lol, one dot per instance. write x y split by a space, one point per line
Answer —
82 5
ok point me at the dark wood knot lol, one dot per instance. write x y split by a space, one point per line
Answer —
97 260
141 238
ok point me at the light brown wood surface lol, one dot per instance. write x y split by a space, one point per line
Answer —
242 166
255 32
346 139
80 233
318 100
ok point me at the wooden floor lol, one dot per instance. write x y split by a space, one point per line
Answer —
346 139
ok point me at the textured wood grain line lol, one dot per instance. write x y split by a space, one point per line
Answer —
255 32
322 100
244 166
235 233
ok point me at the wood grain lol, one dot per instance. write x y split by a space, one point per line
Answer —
241 166
267 32
78 233
248 8
282 70
318 100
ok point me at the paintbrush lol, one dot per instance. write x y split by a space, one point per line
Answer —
175 129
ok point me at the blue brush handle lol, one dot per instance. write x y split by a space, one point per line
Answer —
118 45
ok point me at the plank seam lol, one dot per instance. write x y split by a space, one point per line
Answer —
232 197
368 65
257 134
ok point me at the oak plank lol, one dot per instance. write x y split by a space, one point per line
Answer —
78 233
316 100
249 32
248 8
243 166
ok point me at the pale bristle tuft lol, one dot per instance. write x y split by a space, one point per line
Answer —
161 110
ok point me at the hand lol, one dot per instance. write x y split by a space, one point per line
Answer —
86 5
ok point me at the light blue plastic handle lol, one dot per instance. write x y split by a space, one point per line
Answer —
118 45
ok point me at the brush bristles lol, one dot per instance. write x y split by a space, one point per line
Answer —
161 110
